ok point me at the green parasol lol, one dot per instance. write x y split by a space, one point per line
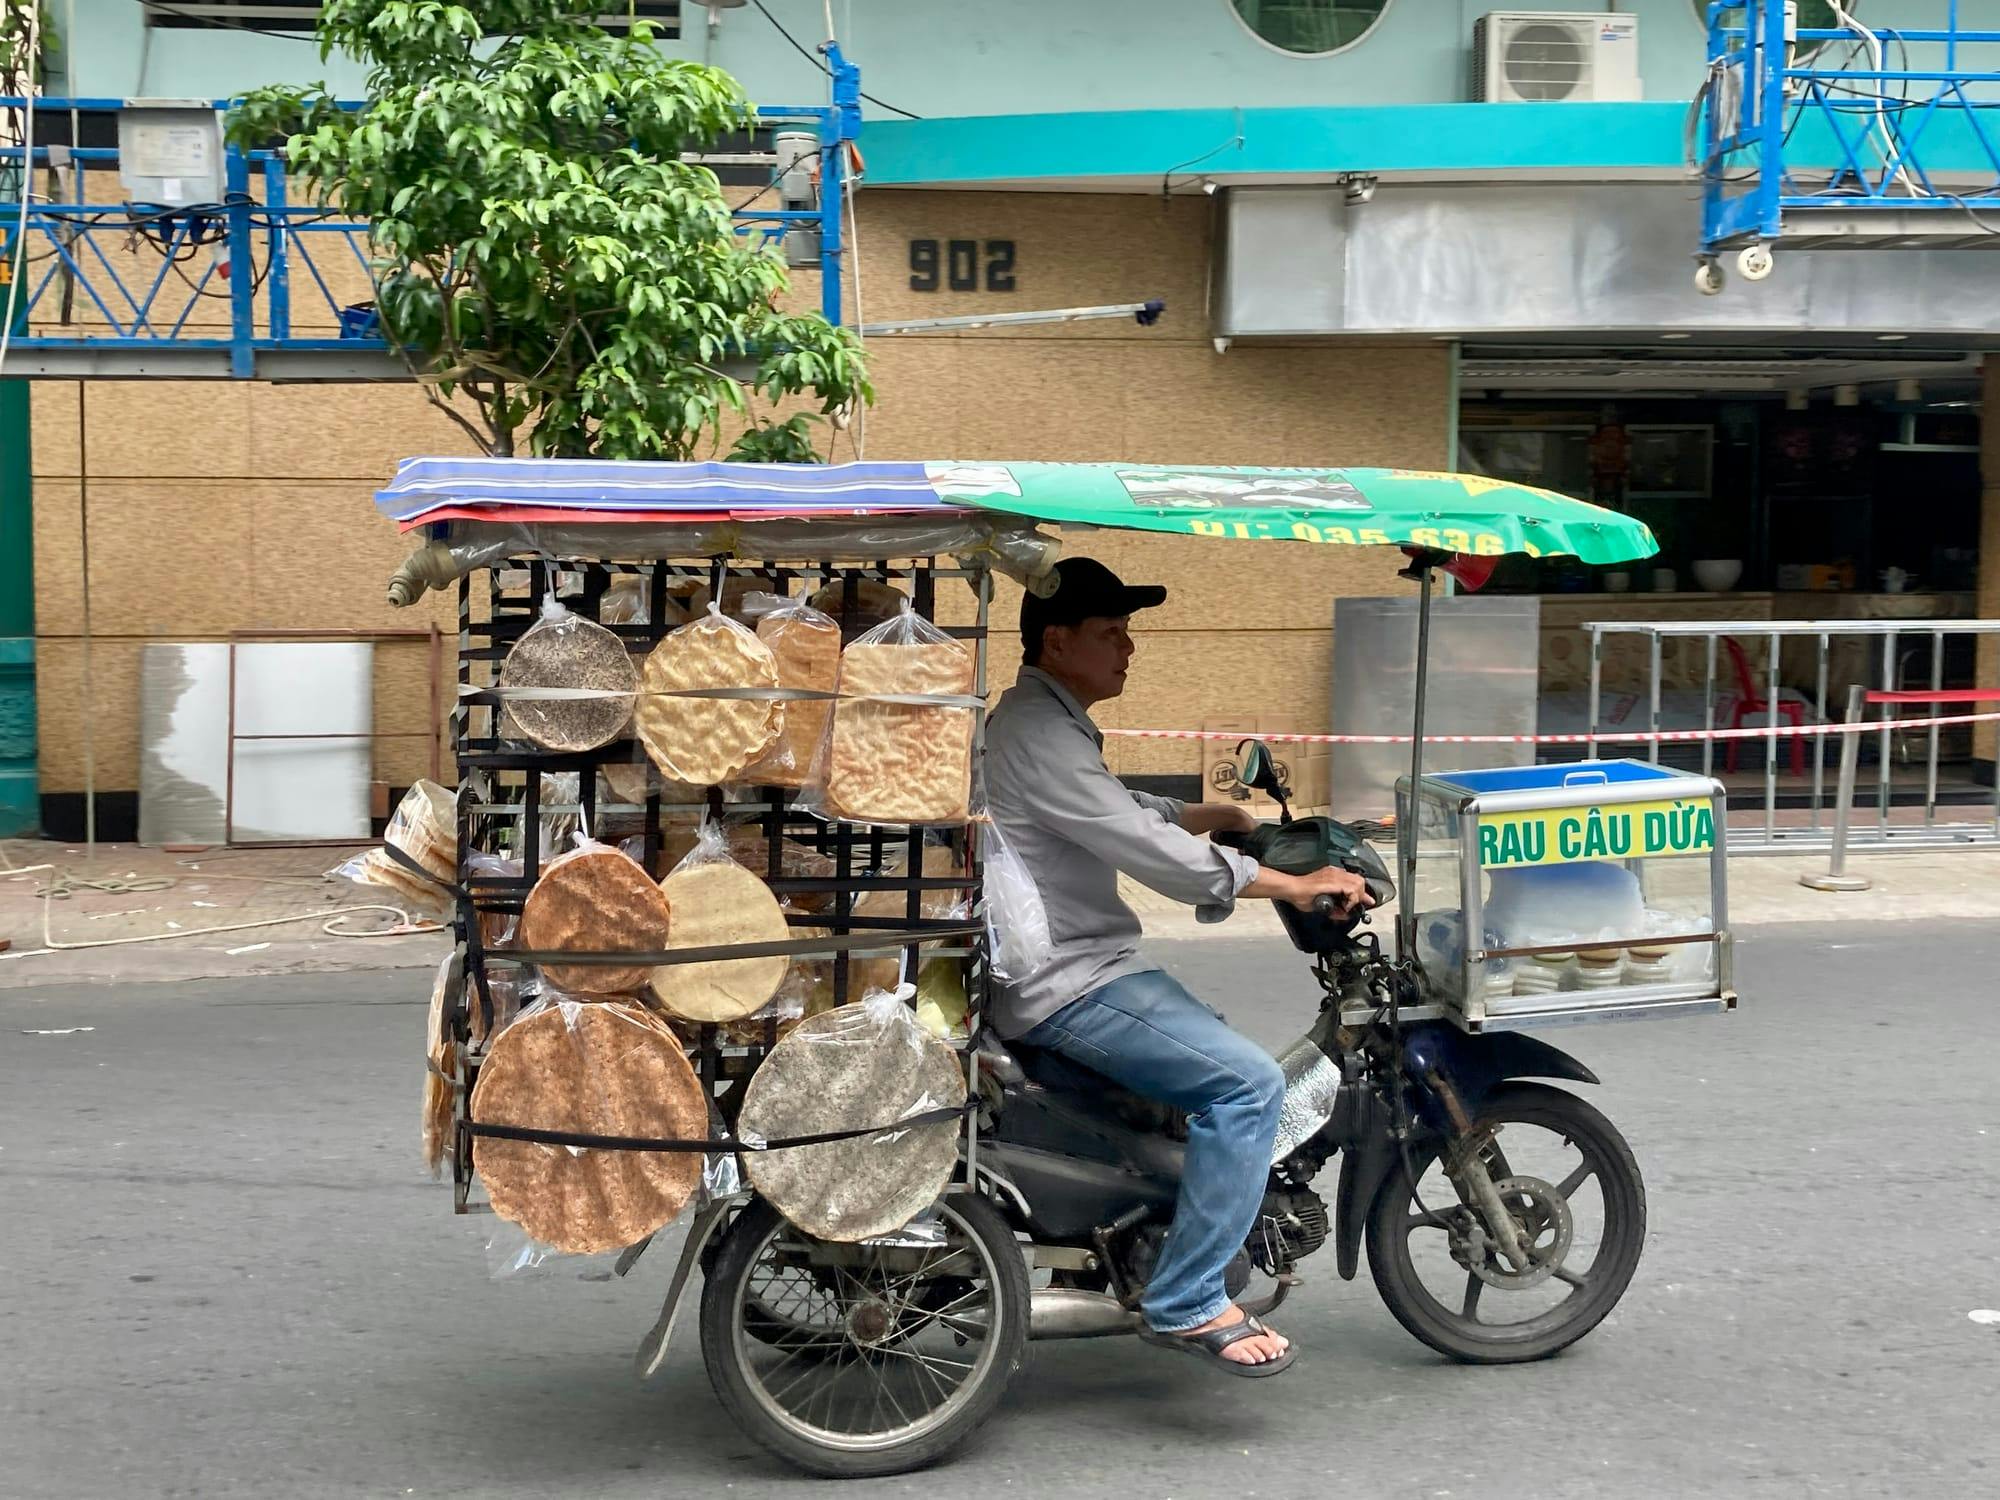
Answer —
1463 513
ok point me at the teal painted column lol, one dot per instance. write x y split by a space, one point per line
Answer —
20 793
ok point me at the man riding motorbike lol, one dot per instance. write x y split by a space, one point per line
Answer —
1098 1002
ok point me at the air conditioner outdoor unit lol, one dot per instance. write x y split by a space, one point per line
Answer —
1546 56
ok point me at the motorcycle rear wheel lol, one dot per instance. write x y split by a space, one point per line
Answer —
905 1360
1395 1223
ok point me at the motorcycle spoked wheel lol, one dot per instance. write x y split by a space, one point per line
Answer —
1408 1249
897 1370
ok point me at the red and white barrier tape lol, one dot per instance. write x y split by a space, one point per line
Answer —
1603 737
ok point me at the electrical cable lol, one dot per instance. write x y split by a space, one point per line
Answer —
218 22
1167 177
63 883
813 58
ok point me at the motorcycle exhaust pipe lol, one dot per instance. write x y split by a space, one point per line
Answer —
1066 1313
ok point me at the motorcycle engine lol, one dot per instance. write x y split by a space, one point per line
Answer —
1290 1226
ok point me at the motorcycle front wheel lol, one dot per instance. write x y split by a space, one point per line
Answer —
1572 1190
857 1361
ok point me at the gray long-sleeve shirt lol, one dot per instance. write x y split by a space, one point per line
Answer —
1077 827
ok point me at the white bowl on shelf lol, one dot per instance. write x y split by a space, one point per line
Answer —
1718 575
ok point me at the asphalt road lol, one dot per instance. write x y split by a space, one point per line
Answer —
224 1274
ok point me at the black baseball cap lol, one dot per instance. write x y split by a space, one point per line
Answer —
1084 589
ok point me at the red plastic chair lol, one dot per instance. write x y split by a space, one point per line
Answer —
1750 704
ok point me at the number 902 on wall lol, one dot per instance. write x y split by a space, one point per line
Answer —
961 265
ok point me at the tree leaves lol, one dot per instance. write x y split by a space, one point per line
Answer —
542 245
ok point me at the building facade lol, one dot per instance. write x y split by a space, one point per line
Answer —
1366 258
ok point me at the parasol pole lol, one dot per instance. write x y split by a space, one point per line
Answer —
1406 821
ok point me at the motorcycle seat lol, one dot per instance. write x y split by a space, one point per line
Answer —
1057 1074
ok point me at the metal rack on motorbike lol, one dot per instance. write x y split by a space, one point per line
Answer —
871 1357
511 803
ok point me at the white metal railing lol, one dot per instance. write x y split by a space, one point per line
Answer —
1908 655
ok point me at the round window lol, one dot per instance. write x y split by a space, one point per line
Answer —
1308 27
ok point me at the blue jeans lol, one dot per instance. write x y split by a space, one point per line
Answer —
1147 1032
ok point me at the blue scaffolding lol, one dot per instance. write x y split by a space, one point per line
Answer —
123 290
1843 137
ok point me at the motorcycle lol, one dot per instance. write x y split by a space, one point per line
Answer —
1503 1217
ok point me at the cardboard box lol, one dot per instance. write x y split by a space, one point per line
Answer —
1305 771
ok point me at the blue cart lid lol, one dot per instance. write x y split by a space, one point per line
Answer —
1554 778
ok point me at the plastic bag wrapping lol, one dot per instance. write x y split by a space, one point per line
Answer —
702 740
425 827
1017 923
595 899
898 749
883 968
805 643
1312 1082
943 1008
1007 544
715 902
1441 950
1592 901
861 1066
562 813
858 605
506 983
625 602
597 1068
1595 917
584 670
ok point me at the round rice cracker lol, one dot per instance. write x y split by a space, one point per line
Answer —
599 1069
845 1070
707 741
440 1064
573 653
594 900
425 825
715 904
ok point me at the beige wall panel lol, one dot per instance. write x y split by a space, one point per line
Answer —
917 398
321 556
148 429
59 704
402 680
1056 400
167 557
345 431
52 432
58 558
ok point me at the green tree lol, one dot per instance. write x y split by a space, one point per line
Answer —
540 244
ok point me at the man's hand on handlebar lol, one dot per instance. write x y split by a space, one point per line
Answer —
1345 891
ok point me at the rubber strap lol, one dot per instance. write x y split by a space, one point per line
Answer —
937 1116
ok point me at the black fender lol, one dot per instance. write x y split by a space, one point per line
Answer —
1474 1066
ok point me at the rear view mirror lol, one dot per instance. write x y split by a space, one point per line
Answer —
1259 770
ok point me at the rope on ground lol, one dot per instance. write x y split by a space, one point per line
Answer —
329 920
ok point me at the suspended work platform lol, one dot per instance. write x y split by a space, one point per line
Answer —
254 286
1843 136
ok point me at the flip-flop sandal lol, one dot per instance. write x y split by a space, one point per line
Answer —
1209 1347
